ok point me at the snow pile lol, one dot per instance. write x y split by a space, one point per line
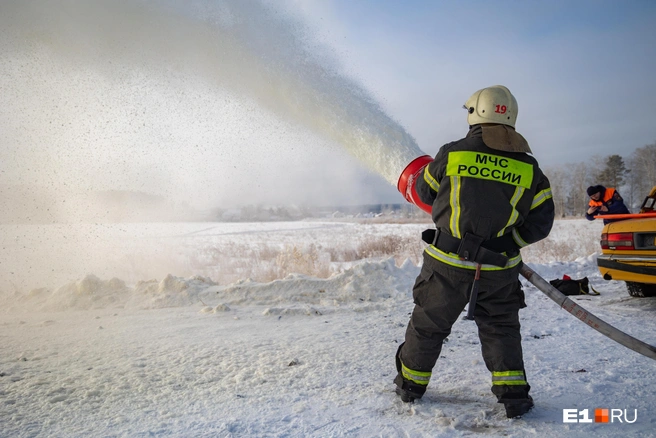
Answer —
350 288
303 356
88 293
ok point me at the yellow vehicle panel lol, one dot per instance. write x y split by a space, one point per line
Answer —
632 265
621 273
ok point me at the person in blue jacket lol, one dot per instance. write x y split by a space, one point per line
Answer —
604 201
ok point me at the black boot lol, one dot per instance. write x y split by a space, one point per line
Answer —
406 396
515 399
409 391
515 408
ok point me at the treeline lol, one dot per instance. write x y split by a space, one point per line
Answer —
261 213
633 177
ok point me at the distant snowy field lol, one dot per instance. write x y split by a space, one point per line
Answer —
208 329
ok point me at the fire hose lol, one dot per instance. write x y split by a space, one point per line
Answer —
406 185
588 318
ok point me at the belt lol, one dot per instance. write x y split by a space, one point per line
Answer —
471 247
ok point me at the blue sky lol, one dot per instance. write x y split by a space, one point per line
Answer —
582 71
218 102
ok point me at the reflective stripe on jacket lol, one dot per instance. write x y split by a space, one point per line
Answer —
491 193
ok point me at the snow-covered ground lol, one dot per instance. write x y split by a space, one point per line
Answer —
128 330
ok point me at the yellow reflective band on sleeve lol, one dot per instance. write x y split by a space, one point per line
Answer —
454 201
540 198
454 260
518 239
432 182
490 167
418 377
508 378
519 191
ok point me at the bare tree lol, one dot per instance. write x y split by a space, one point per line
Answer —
643 168
558 180
581 177
632 191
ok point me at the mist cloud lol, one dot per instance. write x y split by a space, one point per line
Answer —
211 103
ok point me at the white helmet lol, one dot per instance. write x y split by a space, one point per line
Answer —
492 105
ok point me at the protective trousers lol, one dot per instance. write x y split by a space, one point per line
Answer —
440 294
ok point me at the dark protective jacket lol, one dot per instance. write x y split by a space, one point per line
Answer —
488 192
613 202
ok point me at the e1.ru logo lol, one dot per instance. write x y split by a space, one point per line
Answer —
600 416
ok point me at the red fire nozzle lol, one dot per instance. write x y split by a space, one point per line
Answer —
406 184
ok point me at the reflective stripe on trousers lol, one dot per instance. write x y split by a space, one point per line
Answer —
508 378
418 377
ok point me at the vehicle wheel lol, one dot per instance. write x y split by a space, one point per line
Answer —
641 289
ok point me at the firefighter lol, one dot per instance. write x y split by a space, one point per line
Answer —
489 198
604 201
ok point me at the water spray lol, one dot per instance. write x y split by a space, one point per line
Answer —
406 185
